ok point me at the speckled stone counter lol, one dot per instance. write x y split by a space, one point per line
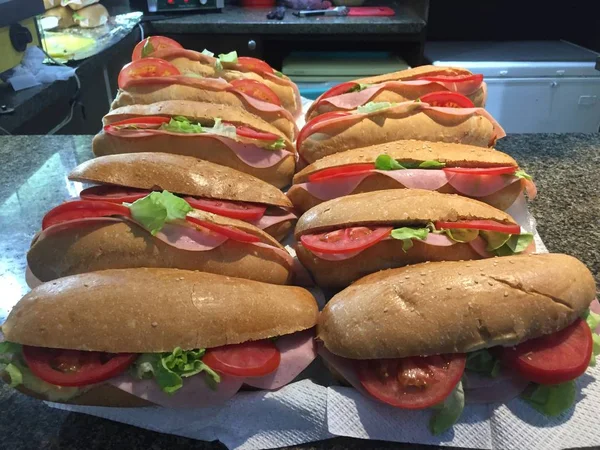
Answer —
33 170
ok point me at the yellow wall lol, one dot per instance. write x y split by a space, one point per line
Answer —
10 57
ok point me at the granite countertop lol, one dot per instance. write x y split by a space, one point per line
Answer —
33 175
236 20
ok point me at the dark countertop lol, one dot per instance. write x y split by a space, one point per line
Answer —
34 170
237 20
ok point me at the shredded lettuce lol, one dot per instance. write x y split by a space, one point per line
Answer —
386 162
406 235
158 208
277 145
145 52
483 362
593 320
207 52
517 243
551 400
523 174
15 375
448 412
373 107
231 57
169 369
430 165
279 74
223 129
180 124
147 49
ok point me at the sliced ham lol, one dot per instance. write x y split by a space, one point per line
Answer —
480 185
439 240
266 221
190 238
501 389
297 350
479 245
171 53
464 88
268 107
213 84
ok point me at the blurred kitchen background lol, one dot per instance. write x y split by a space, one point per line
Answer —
540 59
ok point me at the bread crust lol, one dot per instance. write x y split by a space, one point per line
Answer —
156 310
178 174
456 307
279 175
403 207
415 73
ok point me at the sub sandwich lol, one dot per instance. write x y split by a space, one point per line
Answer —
151 80
377 123
405 85
228 66
158 230
225 135
344 239
487 175
147 337
437 335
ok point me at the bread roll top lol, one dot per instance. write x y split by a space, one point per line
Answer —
415 73
155 310
456 307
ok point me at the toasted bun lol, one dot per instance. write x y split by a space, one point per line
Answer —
279 175
110 244
156 310
392 126
147 94
415 73
456 307
178 174
395 207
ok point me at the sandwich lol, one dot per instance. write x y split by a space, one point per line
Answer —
228 66
148 337
402 86
64 17
344 239
91 16
151 80
487 175
157 230
77 4
377 123
209 187
437 335
225 135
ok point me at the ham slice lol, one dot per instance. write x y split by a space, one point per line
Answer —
345 368
266 221
479 245
213 84
297 350
171 53
480 185
190 238
467 112
501 389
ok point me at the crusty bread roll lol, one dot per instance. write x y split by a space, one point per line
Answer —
453 155
415 73
91 16
456 307
110 244
171 308
64 16
77 4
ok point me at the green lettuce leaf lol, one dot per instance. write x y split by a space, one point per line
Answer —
15 375
593 320
145 52
207 52
386 162
231 57
523 174
462 235
169 369
516 244
431 165
551 400
359 87
147 49
158 208
373 107
483 362
448 412
223 129
494 239
406 234
278 73
179 124
277 145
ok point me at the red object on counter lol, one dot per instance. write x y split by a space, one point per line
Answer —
370 11
258 3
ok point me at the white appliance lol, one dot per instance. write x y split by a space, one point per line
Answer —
533 86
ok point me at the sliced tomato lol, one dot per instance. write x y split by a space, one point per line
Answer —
411 383
249 133
230 232
81 209
505 170
340 89
144 68
254 64
256 89
113 194
73 367
343 171
465 84
346 240
486 225
235 210
250 359
310 126
555 358
152 44
447 99
143 122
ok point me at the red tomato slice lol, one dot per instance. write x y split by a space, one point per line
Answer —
339 89
507 170
249 133
73 367
555 358
250 359
235 210
230 232
343 171
140 122
462 83
81 209
308 129
256 89
411 383
486 225
156 43
447 99
346 240
144 68
113 194
254 65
